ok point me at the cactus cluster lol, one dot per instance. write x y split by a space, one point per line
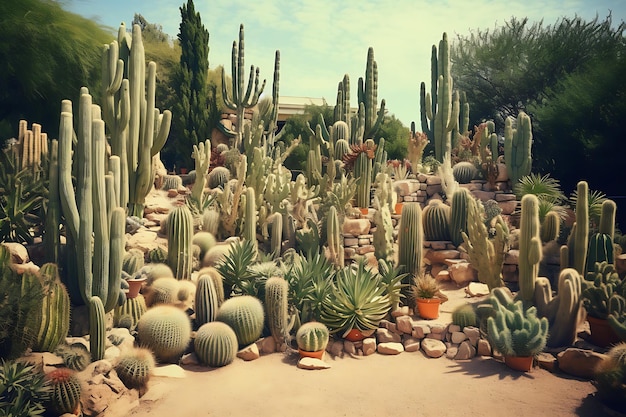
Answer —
517 146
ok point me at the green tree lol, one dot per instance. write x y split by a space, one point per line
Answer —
47 55
191 112
396 137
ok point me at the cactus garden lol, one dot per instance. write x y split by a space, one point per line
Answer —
127 286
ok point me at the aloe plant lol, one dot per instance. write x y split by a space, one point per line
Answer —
358 300
238 279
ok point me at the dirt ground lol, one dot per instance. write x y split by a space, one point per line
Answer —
409 384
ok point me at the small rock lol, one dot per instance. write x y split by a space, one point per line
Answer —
312 364
411 344
477 289
386 324
400 312
404 324
579 362
190 359
451 352
356 227
390 348
349 347
19 253
335 348
466 351
483 348
433 348
462 273
369 346
454 328
473 334
384 335
266 345
249 353
169 371
458 337
420 330
547 361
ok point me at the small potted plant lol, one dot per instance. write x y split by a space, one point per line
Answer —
312 338
357 302
597 289
516 332
428 296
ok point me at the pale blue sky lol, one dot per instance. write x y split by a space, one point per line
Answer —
321 40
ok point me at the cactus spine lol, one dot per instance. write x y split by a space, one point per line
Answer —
276 306
530 252
215 344
517 147
244 314
97 328
207 301
312 336
440 106
179 241
411 239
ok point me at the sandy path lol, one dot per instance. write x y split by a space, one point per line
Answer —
405 385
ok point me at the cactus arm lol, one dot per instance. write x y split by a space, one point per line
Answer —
117 249
100 217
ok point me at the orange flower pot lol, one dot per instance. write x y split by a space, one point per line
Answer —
428 308
354 335
317 354
602 334
519 363
134 286
364 210
398 208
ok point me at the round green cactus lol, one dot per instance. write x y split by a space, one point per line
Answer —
135 367
157 255
75 356
163 291
171 182
464 172
204 240
133 261
312 336
218 177
215 344
436 220
166 331
245 315
65 391
133 309
153 271
464 316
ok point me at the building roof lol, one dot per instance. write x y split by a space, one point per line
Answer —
291 105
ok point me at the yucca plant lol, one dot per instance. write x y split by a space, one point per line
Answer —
594 202
546 189
234 267
23 390
358 300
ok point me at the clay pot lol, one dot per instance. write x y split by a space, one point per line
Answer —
364 211
602 334
354 335
519 363
398 208
428 308
134 286
317 354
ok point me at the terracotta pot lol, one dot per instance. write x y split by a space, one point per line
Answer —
354 335
134 285
317 354
602 334
428 308
364 211
398 208
519 363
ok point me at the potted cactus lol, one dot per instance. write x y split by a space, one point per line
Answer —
610 378
357 303
312 338
516 332
597 289
428 296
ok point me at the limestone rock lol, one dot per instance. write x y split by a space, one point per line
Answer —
169 371
249 353
483 348
369 346
19 253
190 359
477 289
356 227
384 335
266 345
466 351
390 348
462 273
433 348
458 337
579 362
312 364
411 344
405 324
547 361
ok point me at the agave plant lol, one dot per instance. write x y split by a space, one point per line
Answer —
391 278
234 268
23 390
358 300
546 189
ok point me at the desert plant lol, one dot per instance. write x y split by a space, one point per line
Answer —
357 301
436 220
65 390
207 300
312 336
464 172
179 241
610 378
277 308
597 289
464 315
75 356
216 344
23 390
166 331
131 310
245 315
425 286
238 279
393 279
594 200
134 368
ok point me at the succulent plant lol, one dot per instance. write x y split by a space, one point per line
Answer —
598 287
134 368
464 315
464 172
162 291
65 391
436 220
218 177
133 261
204 240
312 336
23 389
276 306
216 344
207 300
610 378
179 241
166 331
131 311
245 315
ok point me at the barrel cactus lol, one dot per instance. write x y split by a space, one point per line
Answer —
162 291
464 316
75 356
207 300
276 304
458 215
218 177
312 336
464 172
166 331
128 314
204 240
133 261
172 182
54 322
65 391
97 328
216 344
436 220
179 241
245 315
135 367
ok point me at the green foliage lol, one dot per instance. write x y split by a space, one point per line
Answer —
238 279
598 287
464 315
23 390
396 137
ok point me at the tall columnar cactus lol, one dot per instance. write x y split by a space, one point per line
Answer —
517 147
440 106
202 158
276 306
166 330
250 220
335 238
51 237
486 255
411 239
97 328
363 173
384 201
241 98
601 243
367 92
342 111
458 215
276 242
462 127
563 311
179 241
89 215
579 236
138 129
245 315
65 390
207 301
312 336
436 219
550 227
530 252
215 344
54 321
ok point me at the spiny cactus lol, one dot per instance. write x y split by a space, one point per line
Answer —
54 320
97 328
610 378
134 368
563 311
464 172
411 238
133 261
335 238
162 291
215 344
218 177
245 315
207 301
517 146
550 227
172 182
530 248
276 306
133 309
65 391
458 215
578 241
179 241
464 315
75 356
436 219
312 336
166 331
598 287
